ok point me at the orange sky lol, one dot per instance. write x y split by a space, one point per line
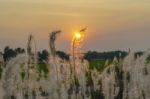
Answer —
112 24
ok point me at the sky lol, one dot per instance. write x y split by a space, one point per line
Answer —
112 24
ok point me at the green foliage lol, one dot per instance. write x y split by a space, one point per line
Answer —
98 65
42 69
22 73
89 81
148 60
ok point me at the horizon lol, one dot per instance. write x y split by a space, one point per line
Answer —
112 25
68 51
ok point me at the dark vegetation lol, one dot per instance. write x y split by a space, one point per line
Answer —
43 55
97 60
10 53
93 55
62 55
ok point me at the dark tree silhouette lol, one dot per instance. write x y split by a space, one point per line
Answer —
62 55
10 53
90 55
43 56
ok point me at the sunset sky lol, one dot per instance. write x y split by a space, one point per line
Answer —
112 24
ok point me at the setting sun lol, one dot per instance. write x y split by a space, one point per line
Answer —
78 35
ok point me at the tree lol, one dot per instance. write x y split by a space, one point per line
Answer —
62 55
10 53
43 56
90 55
19 50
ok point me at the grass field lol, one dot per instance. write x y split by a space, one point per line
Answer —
98 64
94 64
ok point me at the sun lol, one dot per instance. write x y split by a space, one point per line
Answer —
78 35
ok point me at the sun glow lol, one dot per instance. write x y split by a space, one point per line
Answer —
78 35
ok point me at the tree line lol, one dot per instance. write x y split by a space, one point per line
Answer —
43 56
10 53
93 55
